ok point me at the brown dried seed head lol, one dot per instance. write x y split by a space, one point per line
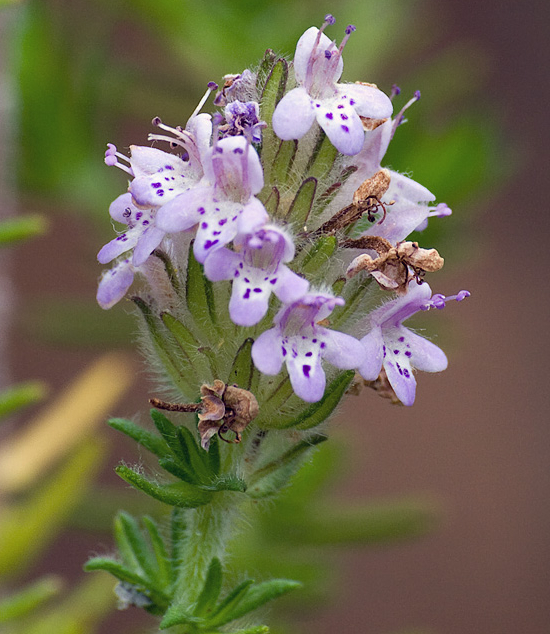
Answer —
212 408
376 187
216 389
425 259
244 405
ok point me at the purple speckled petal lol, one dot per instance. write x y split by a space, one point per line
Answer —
235 167
249 302
221 264
146 161
216 228
114 284
373 344
185 210
425 355
289 287
342 351
400 377
201 128
307 377
342 126
122 243
294 115
304 50
402 187
267 352
148 242
121 208
367 100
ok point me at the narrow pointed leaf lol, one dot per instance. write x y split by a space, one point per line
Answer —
282 164
213 457
178 537
177 615
178 494
170 434
189 347
170 270
211 590
222 614
324 157
276 474
177 470
159 549
271 95
319 412
319 254
266 64
259 594
150 441
136 541
303 201
227 483
197 457
272 203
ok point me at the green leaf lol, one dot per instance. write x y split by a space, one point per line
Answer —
170 270
177 615
213 456
259 629
243 372
272 203
178 537
222 614
21 228
227 483
160 552
18 396
257 595
199 295
196 456
30 598
211 590
179 494
276 474
319 412
189 346
302 203
170 434
144 437
176 468
133 546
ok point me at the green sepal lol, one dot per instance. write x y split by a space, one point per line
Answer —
323 158
199 295
223 613
164 349
211 589
213 456
319 412
179 494
170 270
275 475
133 547
282 164
272 93
178 615
266 64
227 483
169 432
243 372
300 207
258 629
150 441
176 468
338 286
189 346
197 458
270 409
29 598
255 596
320 252
18 396
272 203
178 538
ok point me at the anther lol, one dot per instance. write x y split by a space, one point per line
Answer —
395 90
211 86
400 118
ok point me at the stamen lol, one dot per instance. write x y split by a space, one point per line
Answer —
111 155
440 211
329 19
211 86
400 118
395 90
438 301
350 28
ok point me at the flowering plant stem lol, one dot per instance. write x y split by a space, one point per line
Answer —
259 307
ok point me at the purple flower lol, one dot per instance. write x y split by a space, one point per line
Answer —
233 173
142 235
398 349
242 118
114 283
337 107
257 270
301 342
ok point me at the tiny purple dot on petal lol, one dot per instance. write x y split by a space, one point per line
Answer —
257 290
408 353
329 115
343 116
204 225
246 294
340 106
401 339
306 369
345 128
352 102
309 354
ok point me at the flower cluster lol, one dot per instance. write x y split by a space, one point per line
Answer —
264 199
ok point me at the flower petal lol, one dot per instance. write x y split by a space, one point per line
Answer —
426 356
252 217
249 302
221 265
342 126
267 352
307 377
148 242
368 101
114 284
185 210
342 351
404 188
400 377
305 49
217 228
122 243
122 208
293 115
288 286
373 345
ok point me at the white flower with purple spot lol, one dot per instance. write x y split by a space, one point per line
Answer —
301 342
224 202
257 269
337 107
142 235
398 349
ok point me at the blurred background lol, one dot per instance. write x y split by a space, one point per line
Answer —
452 515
